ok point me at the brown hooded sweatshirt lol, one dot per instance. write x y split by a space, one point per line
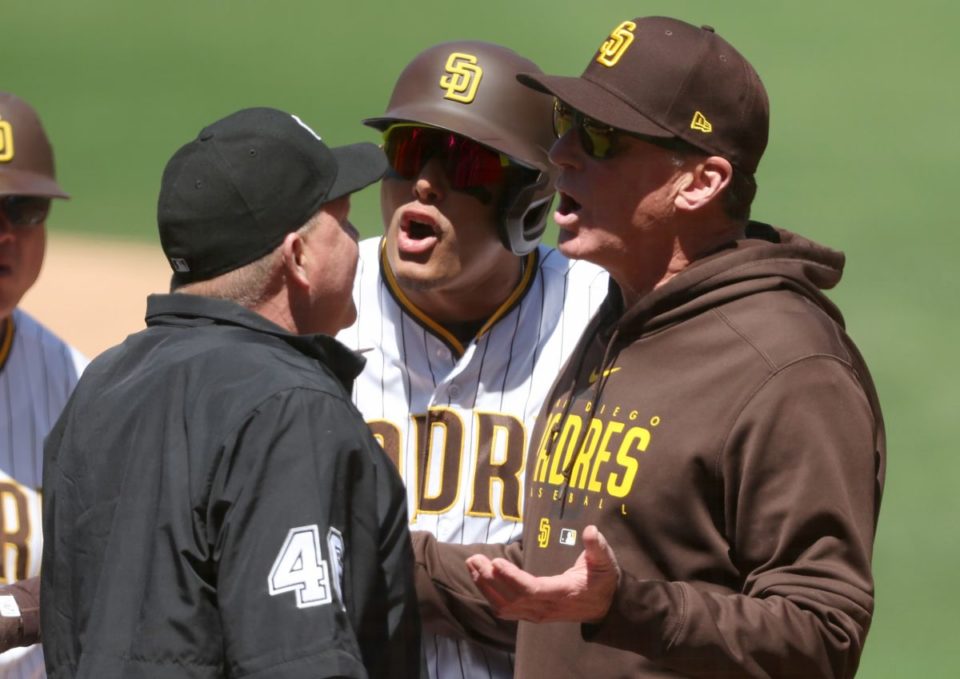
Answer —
725 436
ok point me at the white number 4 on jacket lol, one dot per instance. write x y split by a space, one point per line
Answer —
301 568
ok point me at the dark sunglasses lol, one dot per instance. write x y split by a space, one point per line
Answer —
602 141
25 211
598 140
466 163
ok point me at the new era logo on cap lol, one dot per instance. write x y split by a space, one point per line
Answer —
701 123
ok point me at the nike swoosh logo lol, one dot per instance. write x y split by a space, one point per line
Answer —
594 376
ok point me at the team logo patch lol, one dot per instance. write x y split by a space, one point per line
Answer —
543 535
6 142
701 123
568 537
614 47
461 77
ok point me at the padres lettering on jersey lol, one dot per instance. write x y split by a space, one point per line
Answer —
19 519
498 450
455 419
37 373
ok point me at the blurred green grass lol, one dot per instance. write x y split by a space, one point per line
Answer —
861 158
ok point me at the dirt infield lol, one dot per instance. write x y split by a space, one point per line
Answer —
92 292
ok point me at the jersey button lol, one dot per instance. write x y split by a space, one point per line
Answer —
454 391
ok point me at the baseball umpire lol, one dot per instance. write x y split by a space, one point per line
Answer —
214 504
37 374
464 317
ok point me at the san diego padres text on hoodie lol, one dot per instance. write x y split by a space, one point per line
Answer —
725 436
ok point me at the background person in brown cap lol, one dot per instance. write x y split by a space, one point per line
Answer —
214 504
703 495
38 371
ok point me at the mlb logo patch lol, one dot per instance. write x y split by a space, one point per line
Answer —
179 265
568 537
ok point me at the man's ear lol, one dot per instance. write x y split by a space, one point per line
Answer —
293 254
703 183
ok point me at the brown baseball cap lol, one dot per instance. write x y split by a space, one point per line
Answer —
26 158
661 77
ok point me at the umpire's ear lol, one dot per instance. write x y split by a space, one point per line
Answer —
293 256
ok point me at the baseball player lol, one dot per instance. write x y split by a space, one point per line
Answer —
463 317
37 369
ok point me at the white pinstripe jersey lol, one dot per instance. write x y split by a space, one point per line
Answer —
37 373
475 404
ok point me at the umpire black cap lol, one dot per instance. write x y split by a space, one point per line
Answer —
231 195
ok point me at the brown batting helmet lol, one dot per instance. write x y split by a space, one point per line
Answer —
26 158
470 88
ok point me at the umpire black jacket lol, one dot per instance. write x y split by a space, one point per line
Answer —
215 506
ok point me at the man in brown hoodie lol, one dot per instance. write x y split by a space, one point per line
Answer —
705 479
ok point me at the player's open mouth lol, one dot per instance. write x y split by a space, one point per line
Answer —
417 235
419 230
567 204
567 209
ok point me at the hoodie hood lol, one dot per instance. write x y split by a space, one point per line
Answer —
768 258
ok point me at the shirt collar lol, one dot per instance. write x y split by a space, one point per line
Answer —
195 310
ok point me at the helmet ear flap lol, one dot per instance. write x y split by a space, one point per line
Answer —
525 207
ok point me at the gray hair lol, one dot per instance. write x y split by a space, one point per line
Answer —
249 286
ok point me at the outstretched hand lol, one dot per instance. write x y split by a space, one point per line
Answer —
582 593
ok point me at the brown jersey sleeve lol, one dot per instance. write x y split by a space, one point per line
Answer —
22 630
450 604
